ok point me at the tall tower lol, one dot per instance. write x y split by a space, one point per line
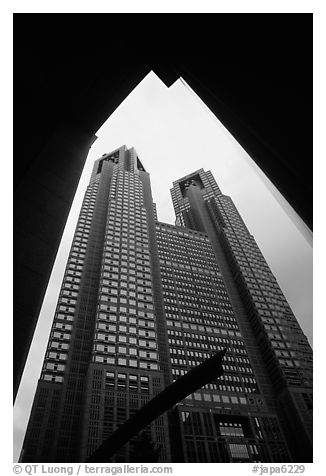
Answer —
279 352
141 303
102 360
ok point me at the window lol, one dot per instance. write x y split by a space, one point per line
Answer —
239 451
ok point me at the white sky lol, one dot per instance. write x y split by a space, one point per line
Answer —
174 134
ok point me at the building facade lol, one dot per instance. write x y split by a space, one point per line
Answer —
141 303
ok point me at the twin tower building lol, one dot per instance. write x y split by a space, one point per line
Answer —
141 303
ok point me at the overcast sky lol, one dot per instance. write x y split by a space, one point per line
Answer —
174 134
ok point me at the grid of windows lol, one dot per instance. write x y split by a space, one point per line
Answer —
125 332
271 311
62 327
200 319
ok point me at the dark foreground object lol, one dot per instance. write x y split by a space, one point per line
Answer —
196 378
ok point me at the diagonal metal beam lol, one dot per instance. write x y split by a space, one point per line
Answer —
196 378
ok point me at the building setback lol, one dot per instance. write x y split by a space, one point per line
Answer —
141 303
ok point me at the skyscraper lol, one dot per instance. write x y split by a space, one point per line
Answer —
142 302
